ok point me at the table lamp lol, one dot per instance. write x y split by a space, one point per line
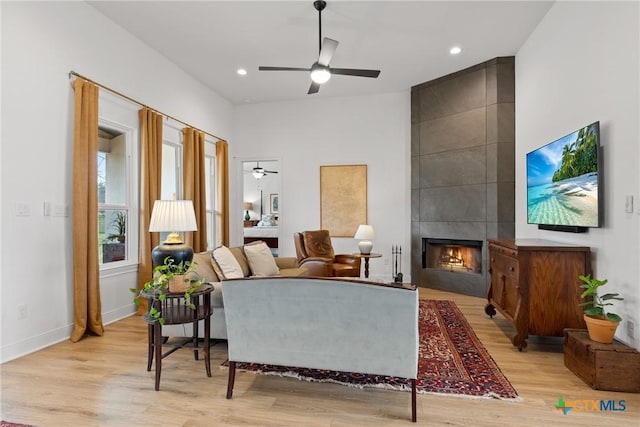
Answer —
365 233
248 206
173 216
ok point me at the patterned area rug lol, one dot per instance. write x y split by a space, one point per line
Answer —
8 424
451 361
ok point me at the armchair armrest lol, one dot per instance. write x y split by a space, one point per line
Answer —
322 267
348 259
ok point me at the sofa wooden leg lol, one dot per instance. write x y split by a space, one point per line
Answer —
232 378
414 415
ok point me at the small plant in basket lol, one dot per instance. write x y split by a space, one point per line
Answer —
168 277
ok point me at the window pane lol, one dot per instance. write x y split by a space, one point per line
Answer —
112 231
112 175
170 170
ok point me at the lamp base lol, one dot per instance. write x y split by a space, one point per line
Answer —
246 216
365 247
179 252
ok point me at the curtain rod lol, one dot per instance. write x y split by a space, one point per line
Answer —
128 98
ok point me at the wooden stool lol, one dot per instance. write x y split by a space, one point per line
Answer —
174 311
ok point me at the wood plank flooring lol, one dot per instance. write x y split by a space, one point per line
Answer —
104 382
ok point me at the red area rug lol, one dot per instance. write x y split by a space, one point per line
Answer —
451 361
8 424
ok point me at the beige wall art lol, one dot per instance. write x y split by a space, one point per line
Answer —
343 199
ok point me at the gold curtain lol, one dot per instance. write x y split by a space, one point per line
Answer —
194 185
222 193
150 180
87 308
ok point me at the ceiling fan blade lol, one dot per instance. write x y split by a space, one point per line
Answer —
261 68
355 72
314 88
271 171
328 49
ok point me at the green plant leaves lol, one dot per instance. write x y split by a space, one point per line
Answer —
596 306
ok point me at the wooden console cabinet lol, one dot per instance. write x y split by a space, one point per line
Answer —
535 285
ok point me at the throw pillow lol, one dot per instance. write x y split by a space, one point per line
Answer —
201 268
261 260
227 262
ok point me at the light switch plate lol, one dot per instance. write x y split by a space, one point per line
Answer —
628 204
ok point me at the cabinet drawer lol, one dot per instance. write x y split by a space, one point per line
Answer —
495 249
501 264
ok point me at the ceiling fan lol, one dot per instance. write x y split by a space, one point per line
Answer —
259 172
320 70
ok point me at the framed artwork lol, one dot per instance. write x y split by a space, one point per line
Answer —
273 203
343 199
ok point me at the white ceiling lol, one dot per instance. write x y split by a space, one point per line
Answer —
408 41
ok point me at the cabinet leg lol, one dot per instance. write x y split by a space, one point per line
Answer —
519 341
490 310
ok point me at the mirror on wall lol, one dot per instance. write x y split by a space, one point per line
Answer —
261 202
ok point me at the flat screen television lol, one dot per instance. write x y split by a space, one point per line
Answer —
564 182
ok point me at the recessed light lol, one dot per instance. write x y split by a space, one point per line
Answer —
242 71
455 50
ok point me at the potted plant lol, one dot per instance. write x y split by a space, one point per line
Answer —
119 222
601 324
168 277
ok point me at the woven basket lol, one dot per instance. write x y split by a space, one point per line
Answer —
178 285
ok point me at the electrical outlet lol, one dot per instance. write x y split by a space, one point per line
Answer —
22 311
631 329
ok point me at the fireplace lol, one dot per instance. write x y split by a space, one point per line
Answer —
454 255
462 174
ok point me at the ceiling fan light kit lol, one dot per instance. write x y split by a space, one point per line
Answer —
320 74
259 172
320 71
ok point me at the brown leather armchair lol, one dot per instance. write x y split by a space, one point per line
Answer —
315 253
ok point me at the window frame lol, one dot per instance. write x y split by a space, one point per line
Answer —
131 205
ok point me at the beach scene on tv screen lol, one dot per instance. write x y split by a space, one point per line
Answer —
562 180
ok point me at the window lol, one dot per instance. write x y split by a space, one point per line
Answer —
172 175
114 207
210 172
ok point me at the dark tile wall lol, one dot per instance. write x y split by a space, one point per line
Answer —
463 166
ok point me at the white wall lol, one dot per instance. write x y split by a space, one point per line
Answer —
580 65
304 135
41 43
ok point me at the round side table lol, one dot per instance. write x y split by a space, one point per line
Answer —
174 311
366 258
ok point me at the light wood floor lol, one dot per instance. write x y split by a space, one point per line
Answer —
104 382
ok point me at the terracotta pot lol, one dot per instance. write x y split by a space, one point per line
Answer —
601 330
178 285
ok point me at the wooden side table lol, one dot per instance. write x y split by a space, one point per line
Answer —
174 311
366 258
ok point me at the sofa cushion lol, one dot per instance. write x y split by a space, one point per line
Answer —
294 272
227 263
261 259
201 268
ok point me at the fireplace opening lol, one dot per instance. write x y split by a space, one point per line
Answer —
455 255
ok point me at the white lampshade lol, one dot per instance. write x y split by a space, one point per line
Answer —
365 233
173 216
